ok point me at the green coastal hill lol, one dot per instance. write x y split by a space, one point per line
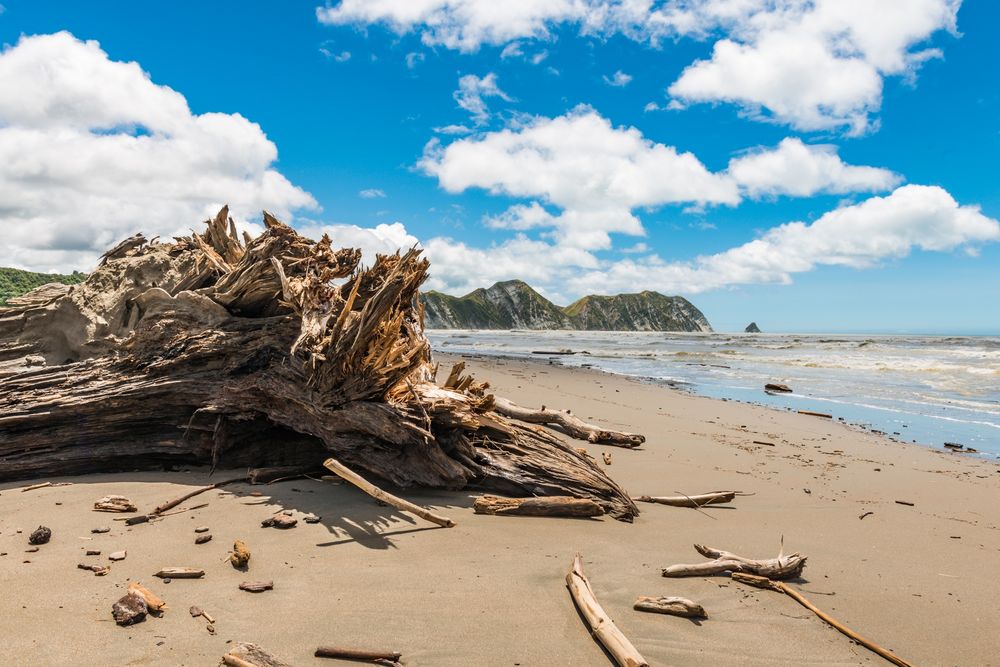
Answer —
15 282
513 304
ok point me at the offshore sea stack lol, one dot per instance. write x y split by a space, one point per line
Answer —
276 350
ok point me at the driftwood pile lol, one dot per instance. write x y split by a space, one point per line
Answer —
275 350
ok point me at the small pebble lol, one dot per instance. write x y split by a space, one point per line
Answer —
202 539
101 529
201 529
117 555
93 552
40 535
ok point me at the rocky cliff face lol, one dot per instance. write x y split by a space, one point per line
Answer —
515 305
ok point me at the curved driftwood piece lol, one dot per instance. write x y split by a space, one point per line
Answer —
543 506
781 567
600 624
712 498
335 466
674 606
780 587
569 424
275 351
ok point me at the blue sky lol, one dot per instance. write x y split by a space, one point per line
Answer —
560 176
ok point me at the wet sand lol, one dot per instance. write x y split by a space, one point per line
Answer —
922 580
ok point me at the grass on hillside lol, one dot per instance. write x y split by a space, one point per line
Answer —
15 282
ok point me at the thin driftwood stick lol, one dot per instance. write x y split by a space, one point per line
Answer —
781 567
674 606
357 480
572 425
170 504
356 654
601 625
700 500
781 587
542 506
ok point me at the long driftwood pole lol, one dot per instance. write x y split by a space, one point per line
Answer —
272 351
600 624
567 422
781 587
781 567
700 500
338 468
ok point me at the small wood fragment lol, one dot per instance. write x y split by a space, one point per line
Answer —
129 609
115 504
101 529
781 587
118 555
93 552
133 520
357 654
866 514
180 573
153 601
781 567
674 606
607 458
905 502
257 586
201 529
335 466
40 535
98 570
764 442
600 624
815 414
564 506
202 539
240 555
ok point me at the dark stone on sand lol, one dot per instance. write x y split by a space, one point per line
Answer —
41 535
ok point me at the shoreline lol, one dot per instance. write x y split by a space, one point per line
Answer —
917 579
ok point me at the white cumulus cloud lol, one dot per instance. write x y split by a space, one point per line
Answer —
92 151
801 170
596 173
372 193
619 79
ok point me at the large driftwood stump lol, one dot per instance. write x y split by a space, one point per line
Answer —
781 567
274 351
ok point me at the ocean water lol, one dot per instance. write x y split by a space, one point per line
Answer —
924 389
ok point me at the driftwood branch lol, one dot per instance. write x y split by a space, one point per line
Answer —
543 506
674 606
781 567
335 466
781 587
357 654
170 504
700 500
570 424
600 624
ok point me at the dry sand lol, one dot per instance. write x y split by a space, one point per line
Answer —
921 580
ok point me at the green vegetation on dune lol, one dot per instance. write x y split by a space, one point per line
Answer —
15 282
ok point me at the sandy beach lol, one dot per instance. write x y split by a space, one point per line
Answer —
920 579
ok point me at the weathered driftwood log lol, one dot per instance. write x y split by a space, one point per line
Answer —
277 351
543 506
600 624
569 424
180 573
781 567
766 583
335 466
674 606
712 498
357 654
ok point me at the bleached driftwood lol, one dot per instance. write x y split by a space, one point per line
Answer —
335 466
780 587
700 500
542 506
180 573
246 653
568 423
272 351
600 624
674 606
781 567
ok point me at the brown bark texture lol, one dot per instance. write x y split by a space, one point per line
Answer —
276 350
